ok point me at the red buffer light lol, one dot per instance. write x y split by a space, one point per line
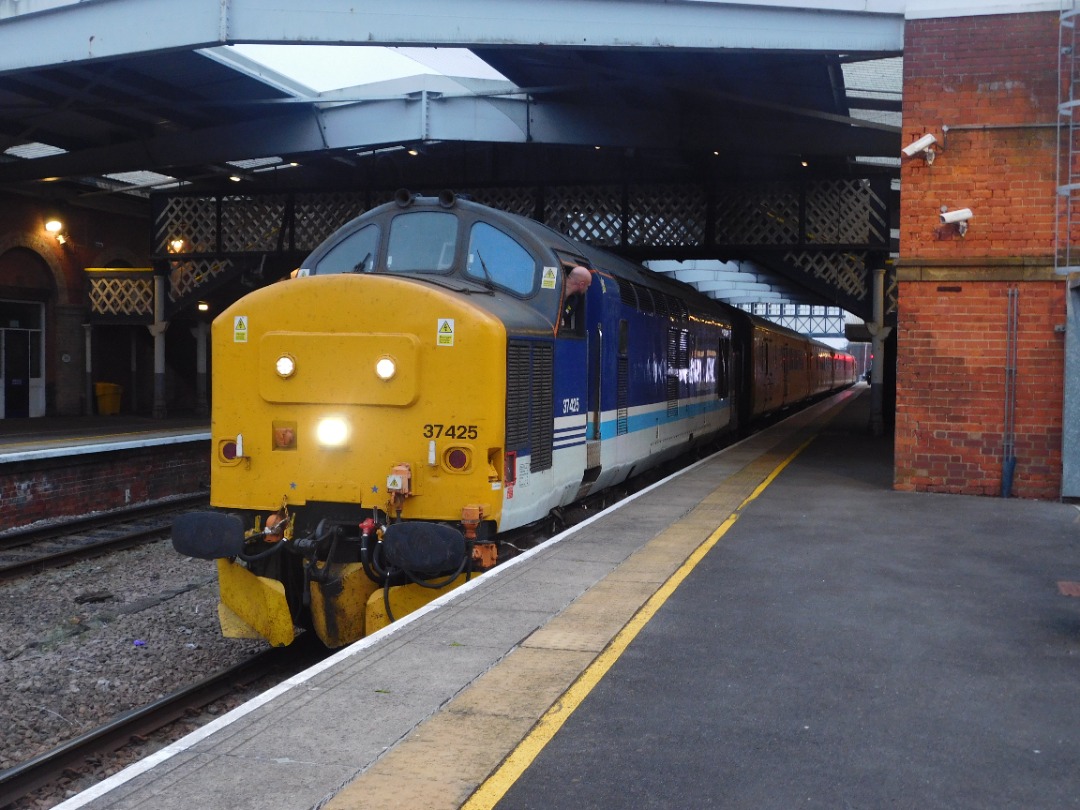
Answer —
457 459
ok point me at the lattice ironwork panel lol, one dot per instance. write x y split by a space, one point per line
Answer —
189 220
517 200
841 271
805 319
588 213
252 224
667 215
316 216
187 276
122 296
838 212
757 215
892 293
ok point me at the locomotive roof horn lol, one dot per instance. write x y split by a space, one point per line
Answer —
404 198
447 198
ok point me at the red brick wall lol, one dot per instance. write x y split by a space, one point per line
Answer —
994 71
993 81
78 485
951 374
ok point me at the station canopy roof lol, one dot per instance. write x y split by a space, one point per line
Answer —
104 103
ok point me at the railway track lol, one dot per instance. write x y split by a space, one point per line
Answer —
76 756
31 550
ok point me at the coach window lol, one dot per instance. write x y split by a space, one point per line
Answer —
353 254
723 361
498 259
422 242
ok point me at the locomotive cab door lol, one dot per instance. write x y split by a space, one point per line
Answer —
595 415
577 391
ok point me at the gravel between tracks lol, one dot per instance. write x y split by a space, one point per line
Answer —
84 643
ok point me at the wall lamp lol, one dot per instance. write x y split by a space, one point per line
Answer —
54 226
958 217
924 145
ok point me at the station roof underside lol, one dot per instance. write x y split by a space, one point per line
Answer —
103 104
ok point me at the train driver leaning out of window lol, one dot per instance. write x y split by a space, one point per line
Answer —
577 282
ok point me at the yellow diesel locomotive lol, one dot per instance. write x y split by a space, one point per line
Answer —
438 373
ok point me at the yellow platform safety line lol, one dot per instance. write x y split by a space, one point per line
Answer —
517 762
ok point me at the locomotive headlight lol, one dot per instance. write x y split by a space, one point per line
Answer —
333 431
285 366
386 368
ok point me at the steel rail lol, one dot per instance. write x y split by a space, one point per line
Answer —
33 534
75 551
47 768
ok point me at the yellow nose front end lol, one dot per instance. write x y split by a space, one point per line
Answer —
329 390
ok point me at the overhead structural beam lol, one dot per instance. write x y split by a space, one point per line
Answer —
298 130
428 115
80 32
751 298
694 275
739 286
724 282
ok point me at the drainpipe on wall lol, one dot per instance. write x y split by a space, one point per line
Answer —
879 332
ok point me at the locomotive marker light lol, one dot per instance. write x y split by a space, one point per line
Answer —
233 450
385 368
285 366
333 431
458 459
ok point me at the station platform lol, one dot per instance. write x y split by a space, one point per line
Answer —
59 468
772 627
46 434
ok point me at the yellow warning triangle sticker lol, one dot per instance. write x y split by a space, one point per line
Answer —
446 328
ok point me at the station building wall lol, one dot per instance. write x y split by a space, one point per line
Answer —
993 80
37 269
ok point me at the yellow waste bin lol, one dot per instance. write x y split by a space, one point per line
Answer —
108 398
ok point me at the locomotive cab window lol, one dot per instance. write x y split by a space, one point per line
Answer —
422 242
572 314
353 254
498 259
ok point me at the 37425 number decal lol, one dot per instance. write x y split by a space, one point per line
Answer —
432 431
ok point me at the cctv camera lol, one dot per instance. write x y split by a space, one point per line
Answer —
921 145
959 215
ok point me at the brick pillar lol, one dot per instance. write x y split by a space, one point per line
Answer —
986 87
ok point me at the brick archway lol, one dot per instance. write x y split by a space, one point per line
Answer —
45 250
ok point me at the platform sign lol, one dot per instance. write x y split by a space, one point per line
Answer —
240 329
445 332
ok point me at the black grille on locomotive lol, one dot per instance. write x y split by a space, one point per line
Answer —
529 392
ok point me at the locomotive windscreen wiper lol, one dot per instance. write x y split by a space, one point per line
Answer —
487 275
361 266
